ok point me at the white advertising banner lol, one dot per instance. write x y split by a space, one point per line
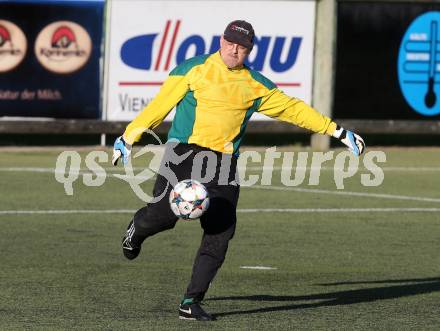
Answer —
149 38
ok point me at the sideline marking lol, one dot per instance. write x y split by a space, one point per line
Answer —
279 188
245 210
335 210
349 193
116 169
257 267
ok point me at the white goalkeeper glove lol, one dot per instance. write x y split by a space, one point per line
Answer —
354 142
121 150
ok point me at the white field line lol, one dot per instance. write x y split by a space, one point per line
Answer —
257 267
67 211
335 210
243 210
346 193
276 168
120 169
279 188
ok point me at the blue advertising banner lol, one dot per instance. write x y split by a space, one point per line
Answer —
50 58
388 61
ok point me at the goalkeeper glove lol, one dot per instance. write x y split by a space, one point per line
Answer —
121 150
354 142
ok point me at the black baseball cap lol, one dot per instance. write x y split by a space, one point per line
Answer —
240 32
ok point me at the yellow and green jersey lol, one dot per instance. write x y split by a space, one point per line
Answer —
214 104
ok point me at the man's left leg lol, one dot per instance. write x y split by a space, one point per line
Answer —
219 226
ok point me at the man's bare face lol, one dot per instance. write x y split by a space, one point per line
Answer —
233 55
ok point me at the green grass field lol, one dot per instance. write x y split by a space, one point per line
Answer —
373 268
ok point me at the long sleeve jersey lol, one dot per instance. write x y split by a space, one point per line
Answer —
215 103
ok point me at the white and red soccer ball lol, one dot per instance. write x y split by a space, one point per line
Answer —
189 199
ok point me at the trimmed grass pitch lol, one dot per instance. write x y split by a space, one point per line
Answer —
371 261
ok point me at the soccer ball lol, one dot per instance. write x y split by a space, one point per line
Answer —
189 199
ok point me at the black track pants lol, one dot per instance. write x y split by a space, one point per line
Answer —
218 223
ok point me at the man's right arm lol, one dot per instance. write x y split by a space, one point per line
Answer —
171 92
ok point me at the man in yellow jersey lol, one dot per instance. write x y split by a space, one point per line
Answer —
215 95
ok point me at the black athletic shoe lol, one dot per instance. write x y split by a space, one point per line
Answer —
130 251
194 312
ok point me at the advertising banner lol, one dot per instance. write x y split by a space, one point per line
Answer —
50 58
149 38
388 61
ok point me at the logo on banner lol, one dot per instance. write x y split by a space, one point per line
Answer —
63 47
139 51
13 46
419 64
